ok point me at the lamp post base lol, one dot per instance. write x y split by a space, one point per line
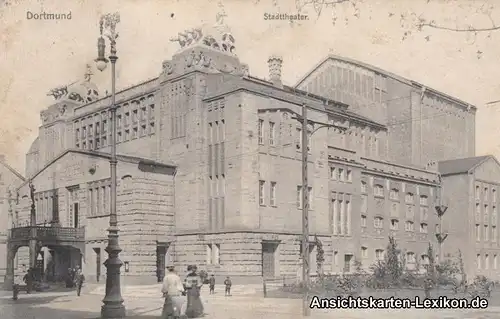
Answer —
113 311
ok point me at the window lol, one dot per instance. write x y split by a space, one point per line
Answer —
494 195
409 226
378 222
478 232
364 252
378 191
478 193
410 257
486 261
272 133
262 185
272 195
486 233
340 175
394 194
379 254
299 197
363 187
349 175
333 173
478 210
363 221
478 261
494 235
423 200
486 193
423 228
261 132
394 224
409 198
299 138
424 213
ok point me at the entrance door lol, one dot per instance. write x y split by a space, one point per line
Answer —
161 252
268 259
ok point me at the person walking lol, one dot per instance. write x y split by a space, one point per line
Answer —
79 280
228 285
211 282
173 292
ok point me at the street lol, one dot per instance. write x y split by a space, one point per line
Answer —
145 302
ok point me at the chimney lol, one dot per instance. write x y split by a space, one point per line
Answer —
275 63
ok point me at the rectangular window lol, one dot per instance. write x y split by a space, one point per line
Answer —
333 173
272 133
423 200
478 261
299 197
494 235
262 185
340 175
478 232
349 175
486 261
261 132
486 233
272 195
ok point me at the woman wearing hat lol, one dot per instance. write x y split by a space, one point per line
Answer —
193 284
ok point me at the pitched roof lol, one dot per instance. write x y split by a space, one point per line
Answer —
123 158
383 72
460 165
7 166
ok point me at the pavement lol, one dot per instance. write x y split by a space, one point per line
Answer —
145 302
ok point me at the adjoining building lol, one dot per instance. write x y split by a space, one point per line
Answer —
209 174
470 190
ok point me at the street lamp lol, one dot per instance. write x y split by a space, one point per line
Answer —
113 302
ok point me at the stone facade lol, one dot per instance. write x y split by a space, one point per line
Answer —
422 122
470 190
223 185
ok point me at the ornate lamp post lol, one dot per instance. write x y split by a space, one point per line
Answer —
113 302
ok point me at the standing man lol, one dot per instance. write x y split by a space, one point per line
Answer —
228 285
173 292
211 282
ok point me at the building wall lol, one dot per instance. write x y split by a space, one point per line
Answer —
421 123
487 247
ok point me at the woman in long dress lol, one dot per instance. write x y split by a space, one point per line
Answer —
193 284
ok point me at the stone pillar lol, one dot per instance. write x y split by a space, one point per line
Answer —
9 273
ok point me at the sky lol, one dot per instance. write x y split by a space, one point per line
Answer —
37 56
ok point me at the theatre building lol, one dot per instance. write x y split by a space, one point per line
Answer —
209 174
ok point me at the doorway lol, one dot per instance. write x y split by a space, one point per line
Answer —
269 259
161 253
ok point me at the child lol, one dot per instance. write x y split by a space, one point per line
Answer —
228 284
212 284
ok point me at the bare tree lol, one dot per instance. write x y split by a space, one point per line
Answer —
412 23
